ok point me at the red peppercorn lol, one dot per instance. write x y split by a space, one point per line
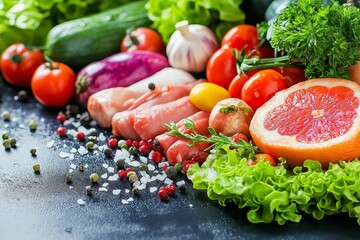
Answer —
80 136
171 189
129 170
122 174
112 143
163 195
61 118
164 167
156 157
128 143
144 149
150 143
135 144
61 131
142 143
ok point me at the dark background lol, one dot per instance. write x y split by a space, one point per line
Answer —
42 206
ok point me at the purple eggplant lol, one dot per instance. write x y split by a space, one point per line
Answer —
118 70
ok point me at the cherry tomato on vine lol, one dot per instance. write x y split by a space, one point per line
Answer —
261 87
18 64
143 38
262 156
53 84
240 36
238 82
292 75
221 67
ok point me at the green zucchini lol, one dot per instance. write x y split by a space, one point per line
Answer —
88 39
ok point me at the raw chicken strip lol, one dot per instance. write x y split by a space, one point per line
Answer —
201 121
104 104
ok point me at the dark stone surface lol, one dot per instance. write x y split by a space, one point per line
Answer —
42 206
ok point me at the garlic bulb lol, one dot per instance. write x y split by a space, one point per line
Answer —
191 46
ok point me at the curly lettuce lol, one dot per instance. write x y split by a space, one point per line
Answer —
220 16
277 194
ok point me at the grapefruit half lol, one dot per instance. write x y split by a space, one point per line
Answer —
317 119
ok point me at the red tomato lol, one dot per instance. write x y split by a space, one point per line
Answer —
261 87
221 67
18 64
292 75
53 84
262 156
241 36
143 39
238 82
237 136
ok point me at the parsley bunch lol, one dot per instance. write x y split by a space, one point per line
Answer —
324 39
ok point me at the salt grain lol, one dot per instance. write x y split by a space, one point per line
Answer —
116 191
151 167
127 190
50 144
180 183
134 164
105 165
136 184
105 184
102 137
153 189
124 201
71 156
102 189
111 169
190 205
162 164
104 176
22 126
73 150
64 154
81 202
143 159
130 199
168 181
82 150
113 178
73 166
76 124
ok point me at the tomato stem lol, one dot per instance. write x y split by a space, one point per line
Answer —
49 63
133 40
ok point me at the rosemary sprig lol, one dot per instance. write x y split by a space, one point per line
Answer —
218 140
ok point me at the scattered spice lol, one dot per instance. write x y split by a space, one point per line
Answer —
151 86
133 178
136 191
22 96
13 142
143 167
6 115
61 117
171 172
33 152
122 174
178 167
81 168
107 152
80 136
89 191
112 143
36 168
120 163
90 145
68 178
6 144
94 178
5 136
32 125
163 195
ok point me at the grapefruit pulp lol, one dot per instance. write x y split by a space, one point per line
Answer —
317 119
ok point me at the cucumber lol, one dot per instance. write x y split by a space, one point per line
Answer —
82 41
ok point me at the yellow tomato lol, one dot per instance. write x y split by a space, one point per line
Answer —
205 95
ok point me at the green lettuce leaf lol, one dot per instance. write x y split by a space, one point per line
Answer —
278 194
220 16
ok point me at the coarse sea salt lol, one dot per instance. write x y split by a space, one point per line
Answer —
73 150
105 184
124 201
104 176
64 154
162 164
105 165
71 156
116 191
130 199
127 190
50 144
113 178
102 189
81 202
143 159
151 167
134 164
153 189
72 166
168 181
82 150
101 137
111 169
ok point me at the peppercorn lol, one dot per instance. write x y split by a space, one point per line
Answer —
90 145
85 119
22 96
94 133
125 146
163 195
178 167
182 188
129 174
80 136
112 143
94 178
143 167
89 191
133 178
32 125
121 142
6 115
68 178
13 142
5 136
33 152
6 144
61 117
136 191
108 152
171 172
151 86
120 163
133 150
81 168
122 174
73 109
36 168
156 157
145 149
92 139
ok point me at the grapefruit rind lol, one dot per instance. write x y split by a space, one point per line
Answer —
345 147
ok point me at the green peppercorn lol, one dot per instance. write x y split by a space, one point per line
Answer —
133 150
32 125
124 146
108 152
136 191
13 142
94 178
130 174
81 168
89 190
90 145
36 168
33 151
68 178
22 96
133 178
6 115
6 144
178 167
143 167
120 164
171 172
5 136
